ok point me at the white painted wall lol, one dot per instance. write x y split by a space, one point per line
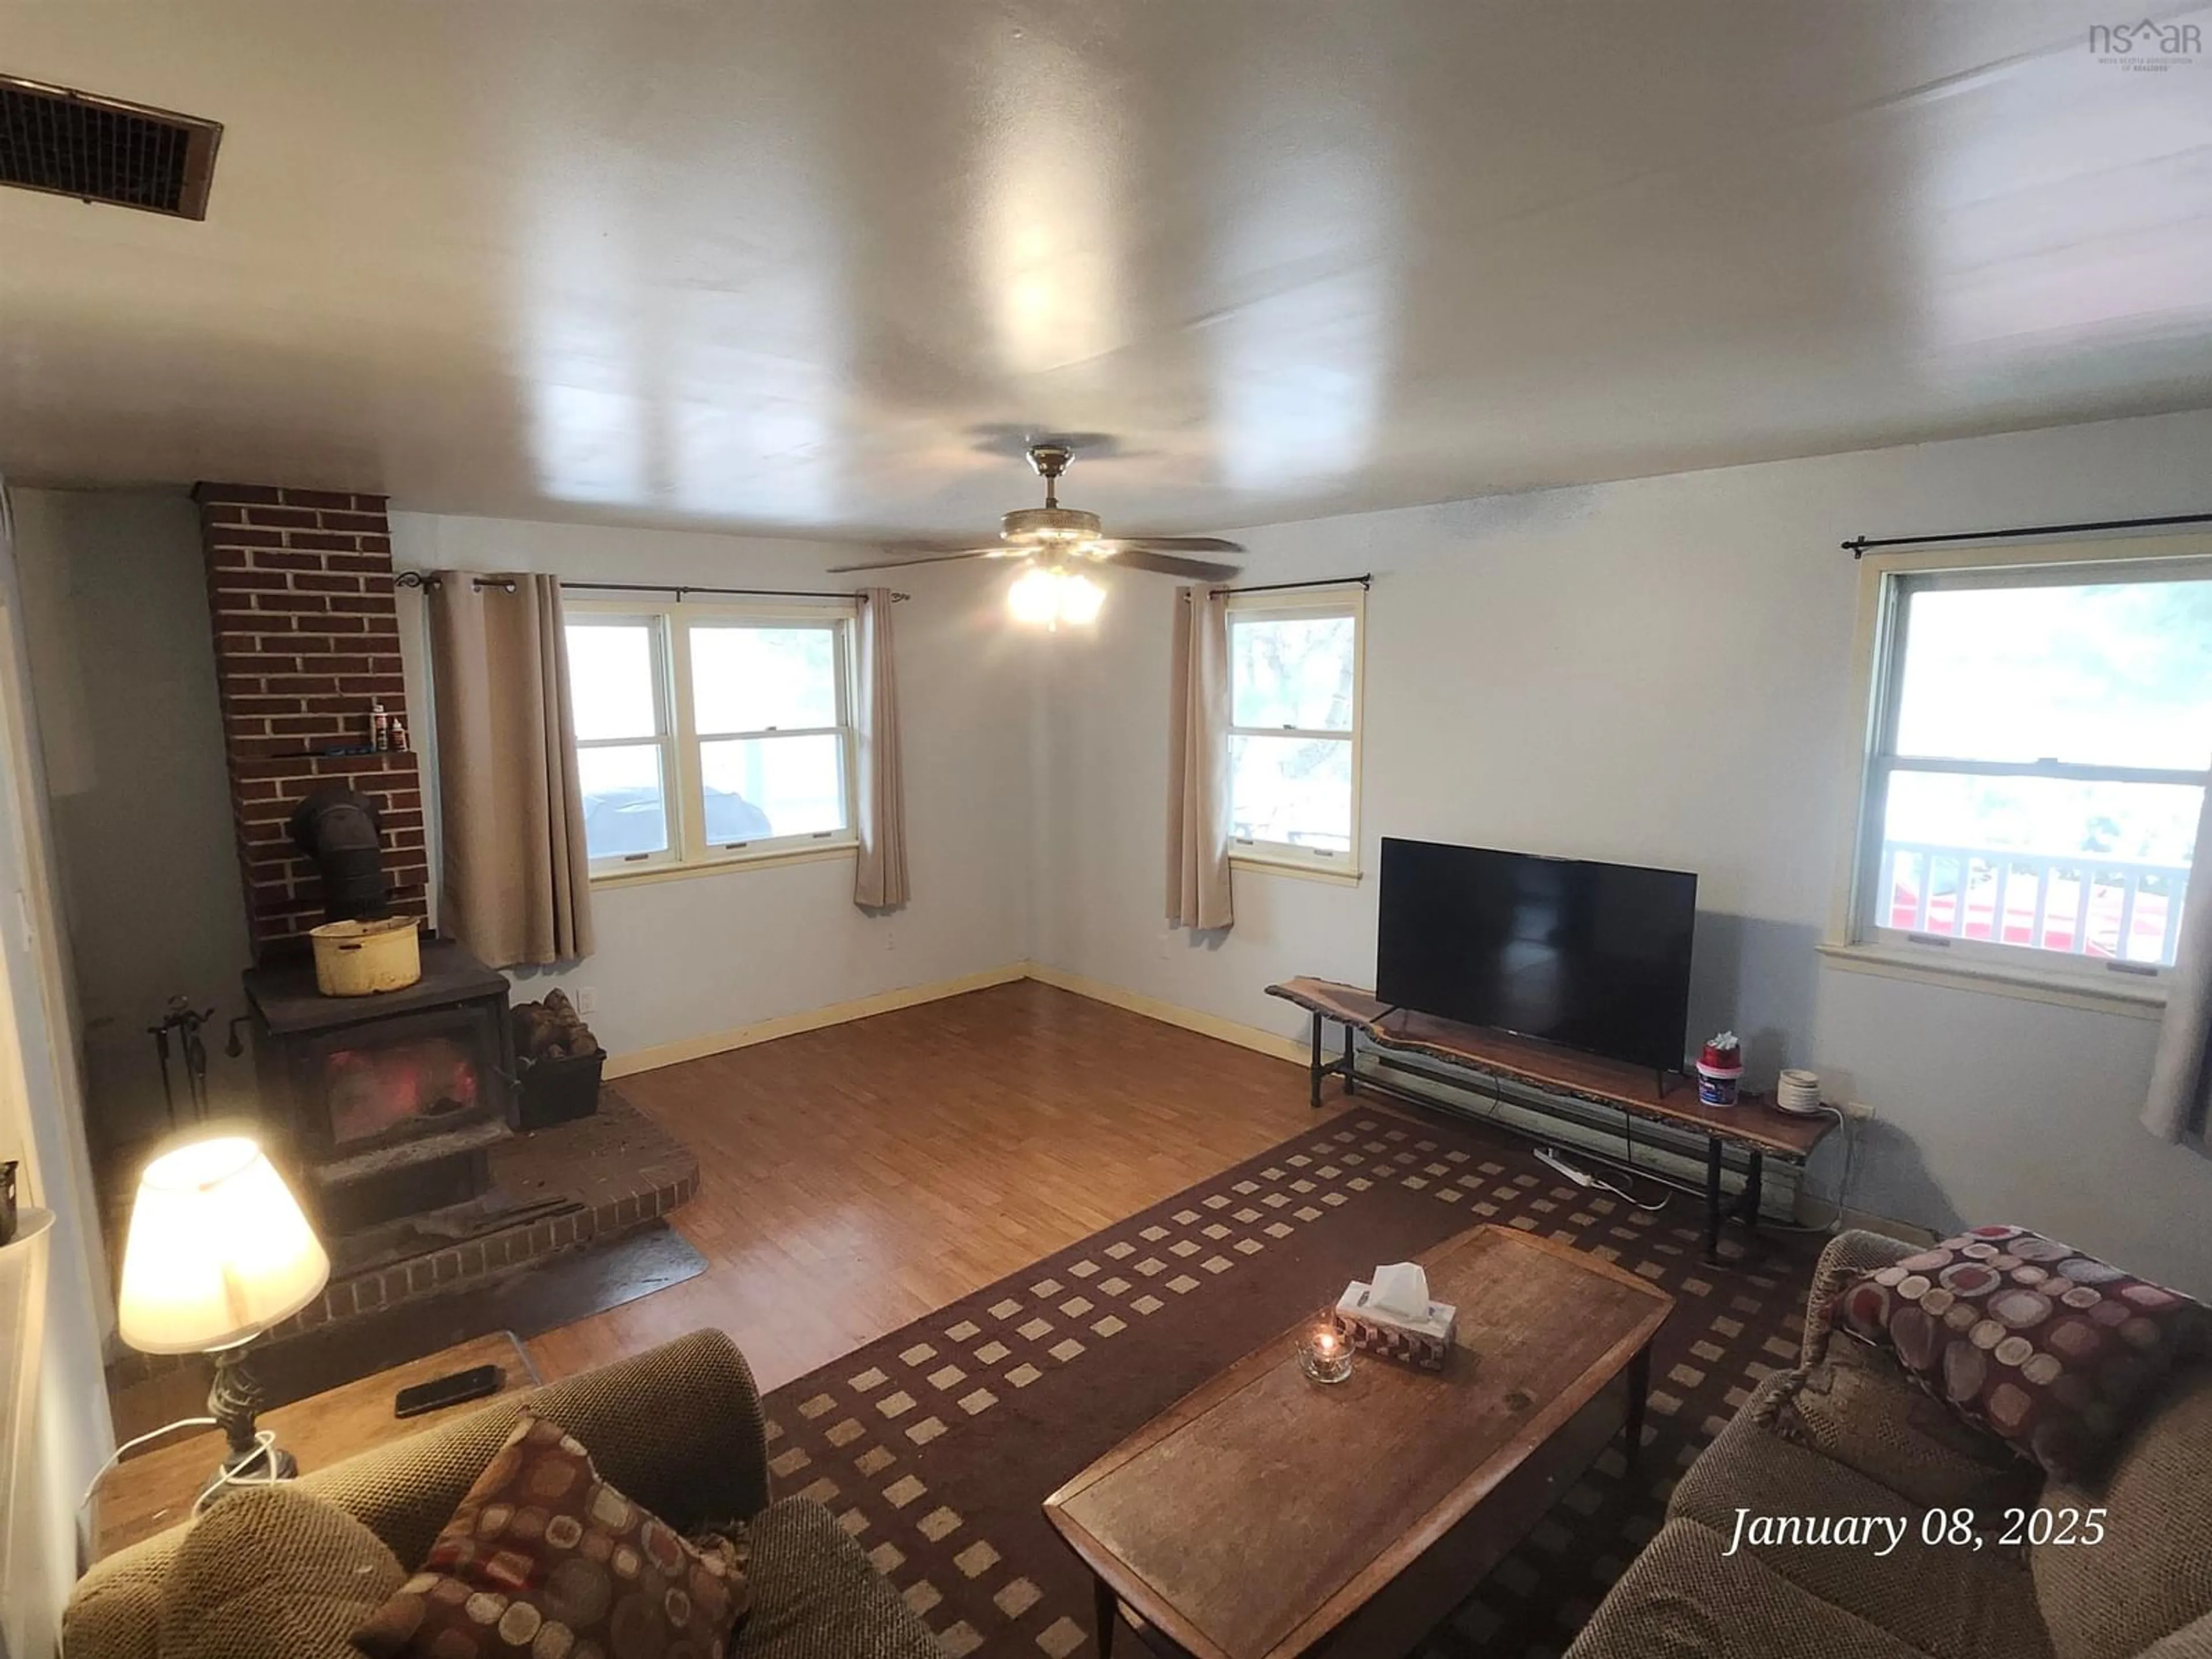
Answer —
1658 671
122 663
685 959
66 1305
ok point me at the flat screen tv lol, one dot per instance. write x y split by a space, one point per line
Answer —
1592 957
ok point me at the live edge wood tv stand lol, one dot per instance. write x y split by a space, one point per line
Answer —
1751 1130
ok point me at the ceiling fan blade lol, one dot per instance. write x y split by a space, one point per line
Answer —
1167 564
928 558
1181 544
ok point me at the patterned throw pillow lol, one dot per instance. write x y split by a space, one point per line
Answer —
2051 1351
544 1558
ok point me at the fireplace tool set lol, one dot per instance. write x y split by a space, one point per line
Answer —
184 1022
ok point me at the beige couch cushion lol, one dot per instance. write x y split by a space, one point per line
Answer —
1680 1600
1949 1602
2152 1572
274 1572
1858 1407
815 1596
116 1614
2190 1642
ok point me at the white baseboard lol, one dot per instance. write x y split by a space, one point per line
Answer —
1171 1014
812 1020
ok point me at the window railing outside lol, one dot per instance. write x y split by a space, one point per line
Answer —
2081 904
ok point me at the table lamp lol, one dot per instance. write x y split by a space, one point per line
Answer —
219 1252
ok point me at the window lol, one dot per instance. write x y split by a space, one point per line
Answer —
711 734
1294 663
2038 761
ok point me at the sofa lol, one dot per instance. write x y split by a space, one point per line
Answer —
1845 1433
678 1429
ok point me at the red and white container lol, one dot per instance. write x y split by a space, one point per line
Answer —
1720 1070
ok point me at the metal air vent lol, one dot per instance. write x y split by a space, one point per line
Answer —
102 149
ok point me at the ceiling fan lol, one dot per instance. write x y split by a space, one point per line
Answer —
1062 539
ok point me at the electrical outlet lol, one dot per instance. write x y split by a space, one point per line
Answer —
1858 1110
586 999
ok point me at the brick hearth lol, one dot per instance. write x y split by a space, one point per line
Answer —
306 634
601 1177
577 1184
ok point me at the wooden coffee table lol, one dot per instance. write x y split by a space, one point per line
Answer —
1267 1514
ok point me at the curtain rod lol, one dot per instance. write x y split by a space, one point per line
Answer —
1859 546
1365 580
505 584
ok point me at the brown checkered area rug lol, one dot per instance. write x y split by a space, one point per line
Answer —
937 1445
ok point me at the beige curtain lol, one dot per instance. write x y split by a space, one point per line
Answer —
2181 1074
879 876
1198 763
517 879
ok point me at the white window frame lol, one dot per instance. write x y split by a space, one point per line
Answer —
1288 858
688 851
663 736
1886 579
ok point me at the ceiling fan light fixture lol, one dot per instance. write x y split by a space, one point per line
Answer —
1032 525
1046 597
1034 598
1054 538
1080 599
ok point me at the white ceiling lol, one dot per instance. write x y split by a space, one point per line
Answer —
806 266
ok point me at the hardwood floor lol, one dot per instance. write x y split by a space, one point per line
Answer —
856 1177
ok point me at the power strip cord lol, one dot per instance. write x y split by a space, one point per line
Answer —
1552 1158
1834 1224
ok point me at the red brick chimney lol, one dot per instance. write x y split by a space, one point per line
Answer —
306 635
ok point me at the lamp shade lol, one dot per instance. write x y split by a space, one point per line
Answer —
218 1252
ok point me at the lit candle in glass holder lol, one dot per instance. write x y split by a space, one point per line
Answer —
1324 1352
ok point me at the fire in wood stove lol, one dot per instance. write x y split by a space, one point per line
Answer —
388 1103
371 1091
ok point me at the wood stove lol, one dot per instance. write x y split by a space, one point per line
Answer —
389 1104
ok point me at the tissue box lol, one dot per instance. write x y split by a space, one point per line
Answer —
1423 1343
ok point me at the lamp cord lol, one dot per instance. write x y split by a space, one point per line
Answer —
264 1443
130 1446
265 1446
